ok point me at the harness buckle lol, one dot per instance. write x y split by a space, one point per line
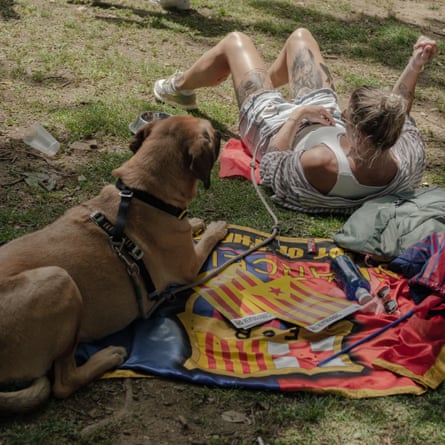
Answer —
116 245
132 269
97 218
136 253
126 193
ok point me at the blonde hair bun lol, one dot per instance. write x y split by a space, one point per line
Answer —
392 103
378 114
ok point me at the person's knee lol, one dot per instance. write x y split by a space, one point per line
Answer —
301 35
237 39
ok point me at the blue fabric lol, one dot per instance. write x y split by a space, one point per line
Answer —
423 264
167 342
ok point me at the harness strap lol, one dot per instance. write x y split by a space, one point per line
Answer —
127 247
130 247
118 232
177 212
124 247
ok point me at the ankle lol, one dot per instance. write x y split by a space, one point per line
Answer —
178 82
178 85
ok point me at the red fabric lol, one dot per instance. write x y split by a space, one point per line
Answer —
407 358
235 161
417 343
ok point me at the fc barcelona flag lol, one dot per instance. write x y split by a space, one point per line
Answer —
268 320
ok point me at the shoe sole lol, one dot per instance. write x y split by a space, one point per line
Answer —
172 102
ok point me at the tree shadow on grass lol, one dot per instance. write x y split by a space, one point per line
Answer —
7 11
205 26
385 40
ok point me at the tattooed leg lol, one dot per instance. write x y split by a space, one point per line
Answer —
301 65
235 55
254 81
308 75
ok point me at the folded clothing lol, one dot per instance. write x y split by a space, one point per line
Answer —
236 160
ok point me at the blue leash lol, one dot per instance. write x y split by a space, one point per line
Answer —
369 337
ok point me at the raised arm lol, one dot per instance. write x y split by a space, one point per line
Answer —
423 51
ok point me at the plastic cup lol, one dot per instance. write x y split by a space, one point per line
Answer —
145 118
40 139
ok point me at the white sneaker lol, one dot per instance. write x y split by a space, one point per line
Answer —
178 4
165 91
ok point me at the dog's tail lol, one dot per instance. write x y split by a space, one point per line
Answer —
26 399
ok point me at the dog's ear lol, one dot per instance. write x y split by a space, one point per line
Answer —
203 153
140 137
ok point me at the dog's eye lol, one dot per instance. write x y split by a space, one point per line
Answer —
206 135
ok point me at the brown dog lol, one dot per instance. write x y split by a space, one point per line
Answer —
65 284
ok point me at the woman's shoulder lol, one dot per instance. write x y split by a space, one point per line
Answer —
320 167
318 156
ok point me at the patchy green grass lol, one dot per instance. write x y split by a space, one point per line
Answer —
86 70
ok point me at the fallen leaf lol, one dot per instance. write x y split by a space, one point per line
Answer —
43 180
234 417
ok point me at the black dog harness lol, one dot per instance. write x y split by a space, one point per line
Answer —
131 254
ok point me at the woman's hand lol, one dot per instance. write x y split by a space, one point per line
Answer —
314 114
423 52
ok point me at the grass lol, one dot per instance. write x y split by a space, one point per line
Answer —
85 71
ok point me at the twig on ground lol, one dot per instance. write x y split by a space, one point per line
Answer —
124 411
9 184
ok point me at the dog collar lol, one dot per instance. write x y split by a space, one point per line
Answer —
151 200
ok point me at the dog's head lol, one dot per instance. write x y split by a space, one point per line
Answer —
194 139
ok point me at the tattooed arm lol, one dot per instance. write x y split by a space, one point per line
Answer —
424 50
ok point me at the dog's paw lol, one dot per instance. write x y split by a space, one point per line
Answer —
218 229
198 225
115 355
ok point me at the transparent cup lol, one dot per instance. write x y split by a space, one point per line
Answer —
37 137
145 118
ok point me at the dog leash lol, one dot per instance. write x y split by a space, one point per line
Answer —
117 237
172 291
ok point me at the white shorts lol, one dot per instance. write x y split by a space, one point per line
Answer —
262 115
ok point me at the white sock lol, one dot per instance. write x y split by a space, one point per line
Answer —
177 90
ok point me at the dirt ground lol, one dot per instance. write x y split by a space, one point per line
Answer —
154 411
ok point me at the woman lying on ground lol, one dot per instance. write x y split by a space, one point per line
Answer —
314 157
